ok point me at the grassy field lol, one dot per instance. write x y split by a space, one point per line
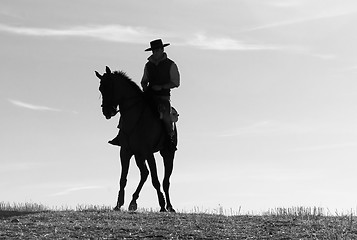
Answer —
33 221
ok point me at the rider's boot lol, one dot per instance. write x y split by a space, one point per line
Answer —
115 141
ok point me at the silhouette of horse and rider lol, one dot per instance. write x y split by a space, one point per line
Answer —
147 121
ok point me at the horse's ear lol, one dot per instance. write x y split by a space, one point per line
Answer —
107 69
98 75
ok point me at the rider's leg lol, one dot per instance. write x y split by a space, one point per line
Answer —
166 117
115 141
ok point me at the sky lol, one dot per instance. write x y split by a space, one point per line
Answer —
267 101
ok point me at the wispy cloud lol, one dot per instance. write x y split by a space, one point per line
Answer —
202 41
325 147
138 35
352 68
278 128
32 106
323 15
115 33
9 13
308 51
205 42
75 189
21 166
286 4
269 128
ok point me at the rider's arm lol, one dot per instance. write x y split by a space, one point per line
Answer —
145 80
174 77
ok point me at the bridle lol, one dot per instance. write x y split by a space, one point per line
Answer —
108 105
111 106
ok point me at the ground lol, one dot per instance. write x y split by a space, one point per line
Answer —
107 224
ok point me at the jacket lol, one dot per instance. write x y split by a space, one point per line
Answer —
163 72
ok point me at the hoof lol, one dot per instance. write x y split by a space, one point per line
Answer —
163 210
116 208
170 209
133 206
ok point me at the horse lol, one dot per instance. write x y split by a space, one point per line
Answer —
141 134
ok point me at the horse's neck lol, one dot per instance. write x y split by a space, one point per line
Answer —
130 102
131 113
128 98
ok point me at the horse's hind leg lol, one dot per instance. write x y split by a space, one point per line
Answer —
156 182
125 156
144 173
168 157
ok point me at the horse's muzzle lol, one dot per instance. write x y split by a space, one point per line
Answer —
109 112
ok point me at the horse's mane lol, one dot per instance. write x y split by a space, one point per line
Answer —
124 76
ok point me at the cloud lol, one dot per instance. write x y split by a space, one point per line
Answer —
269 128
33 107
308 52
225 43
75 189
9 13
323 15
202 41
115 33
21 166
349 69
326 147
138 35
288 3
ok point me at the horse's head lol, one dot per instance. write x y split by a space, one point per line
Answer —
106 87
117 89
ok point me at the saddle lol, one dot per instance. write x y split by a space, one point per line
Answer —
160 108
174 115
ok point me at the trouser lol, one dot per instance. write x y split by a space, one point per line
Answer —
164 108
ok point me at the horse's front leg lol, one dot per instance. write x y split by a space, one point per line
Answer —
168 157
125 156
144 173
156 182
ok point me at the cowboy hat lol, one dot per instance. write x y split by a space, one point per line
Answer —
156 44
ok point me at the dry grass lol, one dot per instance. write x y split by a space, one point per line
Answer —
93 222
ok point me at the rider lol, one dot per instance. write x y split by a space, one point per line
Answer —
160 76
